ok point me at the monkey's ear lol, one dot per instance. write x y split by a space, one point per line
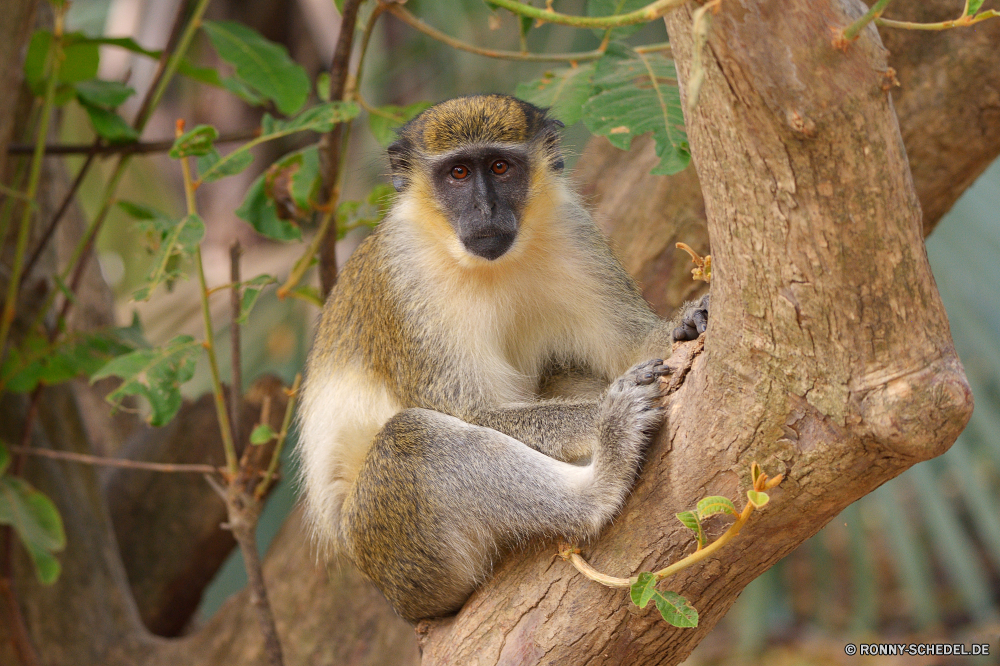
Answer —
399 163
552 144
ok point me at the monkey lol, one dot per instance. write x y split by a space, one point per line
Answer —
483 372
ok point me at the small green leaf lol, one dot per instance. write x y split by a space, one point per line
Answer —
368 213
251 292
382 127
104 94
173 242
37 523
260 63
323 86
675 609
972 6
758 499
308 293
197 141
126 43
564 91
109 125
155 374
755 472
636 93
307 179
711 506
690 520
260 211
211 169
643 589
262 434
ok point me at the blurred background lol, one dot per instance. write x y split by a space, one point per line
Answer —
916 561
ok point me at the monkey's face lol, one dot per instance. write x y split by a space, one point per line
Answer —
482 191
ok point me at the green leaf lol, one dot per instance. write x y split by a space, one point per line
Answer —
103 94
307 179
755 472
691 521
758 499
251 292
37 523
637 93
126 43
320 118
711 506
208 75
564 91
109 125
604 8
675 609
642 589
260 211
197 141
308 293
155 374
172 241
382 127
79 62
260 63
4 458
262 434
240 88
211 169
972 6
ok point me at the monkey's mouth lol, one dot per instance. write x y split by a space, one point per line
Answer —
489 244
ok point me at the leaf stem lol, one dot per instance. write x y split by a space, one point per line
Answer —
851 32
265 483
87 459
943 25
652 11
416 23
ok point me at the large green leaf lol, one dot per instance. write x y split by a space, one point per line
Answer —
37 523
283 195
105 94
109 125
260 63
637 93
155 374
564 91
674 608
79 62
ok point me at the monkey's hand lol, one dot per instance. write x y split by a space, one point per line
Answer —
632 409
692 320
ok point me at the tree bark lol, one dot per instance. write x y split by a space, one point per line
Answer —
948 105
828 359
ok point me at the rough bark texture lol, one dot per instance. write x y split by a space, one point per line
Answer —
948 104
828 359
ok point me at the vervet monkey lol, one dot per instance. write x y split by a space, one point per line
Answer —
483 371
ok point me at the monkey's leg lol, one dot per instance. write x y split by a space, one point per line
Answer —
437 499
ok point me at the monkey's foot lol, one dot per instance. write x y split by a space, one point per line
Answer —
694 320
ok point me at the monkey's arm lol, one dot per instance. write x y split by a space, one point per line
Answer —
565 430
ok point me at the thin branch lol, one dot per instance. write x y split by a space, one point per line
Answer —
102 461
851 32
407 17
21 639
135 148
236 382
650 12
943 25
293 393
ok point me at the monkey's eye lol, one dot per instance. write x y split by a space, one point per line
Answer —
499 167
459 172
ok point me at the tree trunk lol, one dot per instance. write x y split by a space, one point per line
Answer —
828 358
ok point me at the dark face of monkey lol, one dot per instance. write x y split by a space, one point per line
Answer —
477 154
483 191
